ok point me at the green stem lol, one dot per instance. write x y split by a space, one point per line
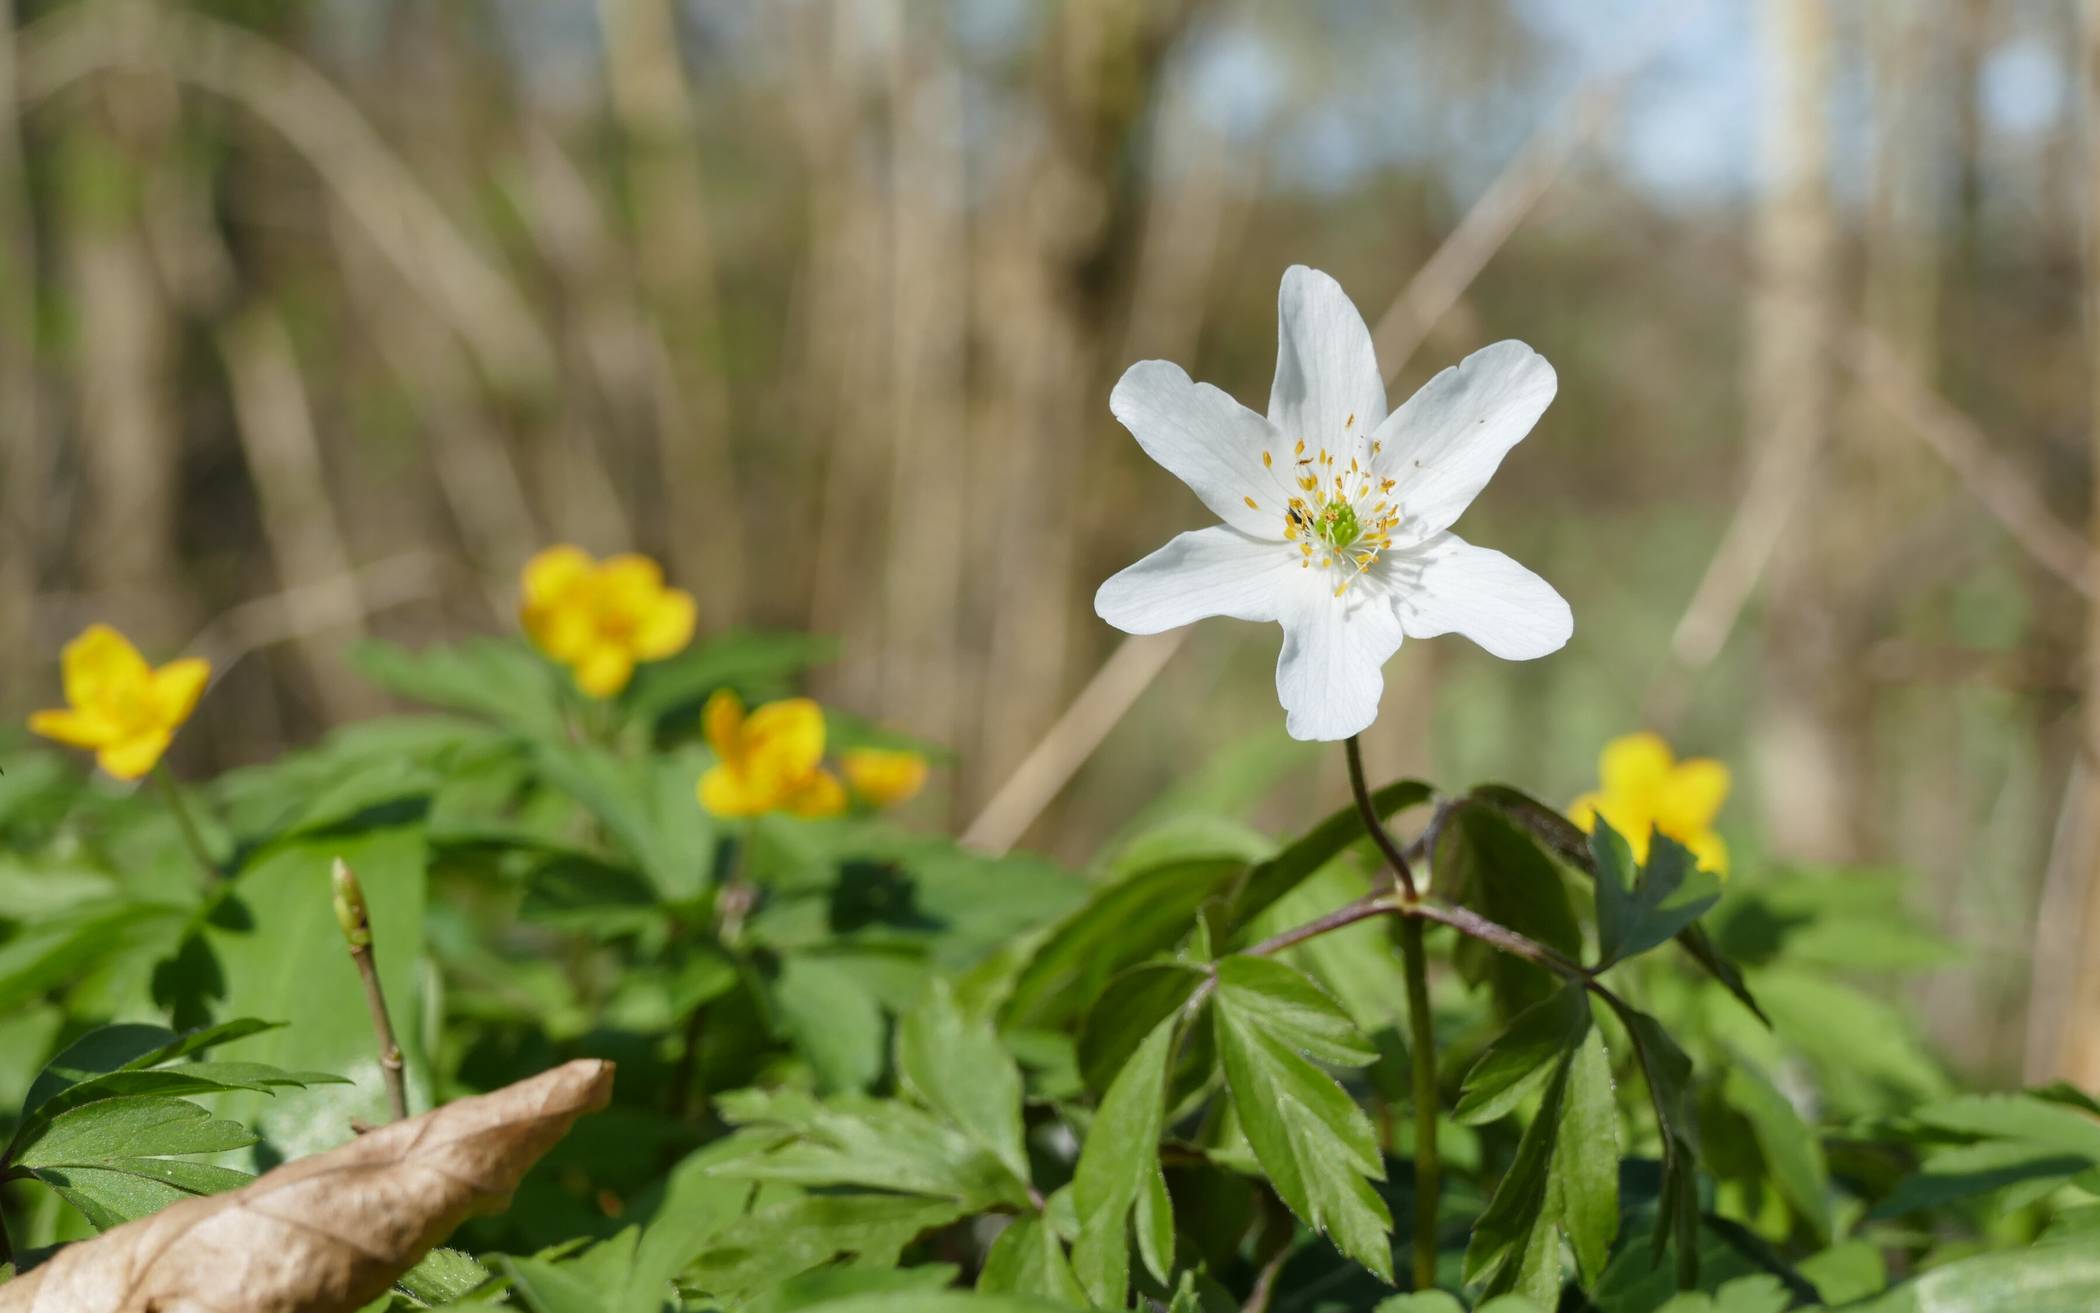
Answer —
1423 1065
192 838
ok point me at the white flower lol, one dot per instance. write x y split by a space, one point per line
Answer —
1337 514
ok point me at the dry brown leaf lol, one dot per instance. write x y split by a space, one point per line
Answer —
330 1232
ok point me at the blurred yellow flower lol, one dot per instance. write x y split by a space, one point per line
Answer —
121 707
599 618
1646 790
767 761
884 776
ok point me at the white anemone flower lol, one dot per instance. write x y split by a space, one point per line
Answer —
1336 514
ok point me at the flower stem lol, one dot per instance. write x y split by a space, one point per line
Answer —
1422 1063
1393 855
356 922
192 838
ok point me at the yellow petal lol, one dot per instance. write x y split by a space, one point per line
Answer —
563 630
101 665
80 729
883 776
130 758
784 741
666 625
819 795
1709 853
726 793
722 721
1634 766
604 670
1691 796
1583 811
177 686
626 587
554 573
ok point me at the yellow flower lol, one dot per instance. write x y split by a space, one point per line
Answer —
599 618
1646 790
121 707
884 776
769 760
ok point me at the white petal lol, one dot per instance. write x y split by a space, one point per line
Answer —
1329 677
1328 390
1444 444
1447 586
1204 438
1215 571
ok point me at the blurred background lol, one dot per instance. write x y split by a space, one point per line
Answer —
316 319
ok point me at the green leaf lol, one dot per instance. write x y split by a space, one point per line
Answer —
1316 1144
1155 1224
497 679
2017 1117
1524 1057
546 1288
647 804
2050 1278
1586 1160
776 1242
809 1290
1282 873
1486 863
881 1144
1119 926
130 1046
1668 1073
115 1159
945 1302
1635 914
1571 845
956 1066
834 1021
1514 1246
757 663
1129 1010
56 952
1964 1171
1121 1151
1421 1301
1791 1148
1027 1259
444 1276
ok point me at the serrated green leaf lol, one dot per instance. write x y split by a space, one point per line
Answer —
1027 1259
1791 1149
1118 927
1586 1160
136 1126
1524 1057
1121 1150
131 1046
2051 1278
956 1066
1488 864
546 1288
1129 1010
1637 912
834 1021
1316 1144
881 1144
1285 1002
775 1242
1272 879
1668 1073
1513 1247
444 1276
1155 1224
498 680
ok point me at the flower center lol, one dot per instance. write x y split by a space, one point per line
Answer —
1339 517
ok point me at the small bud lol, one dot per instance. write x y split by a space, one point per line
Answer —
350 911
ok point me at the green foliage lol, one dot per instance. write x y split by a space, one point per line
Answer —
864 1069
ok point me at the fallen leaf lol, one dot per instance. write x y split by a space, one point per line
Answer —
325 1233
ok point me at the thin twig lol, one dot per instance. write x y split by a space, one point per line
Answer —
356 921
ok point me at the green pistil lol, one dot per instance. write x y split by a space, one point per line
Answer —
1338 525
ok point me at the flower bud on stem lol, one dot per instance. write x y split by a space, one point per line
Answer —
356 920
